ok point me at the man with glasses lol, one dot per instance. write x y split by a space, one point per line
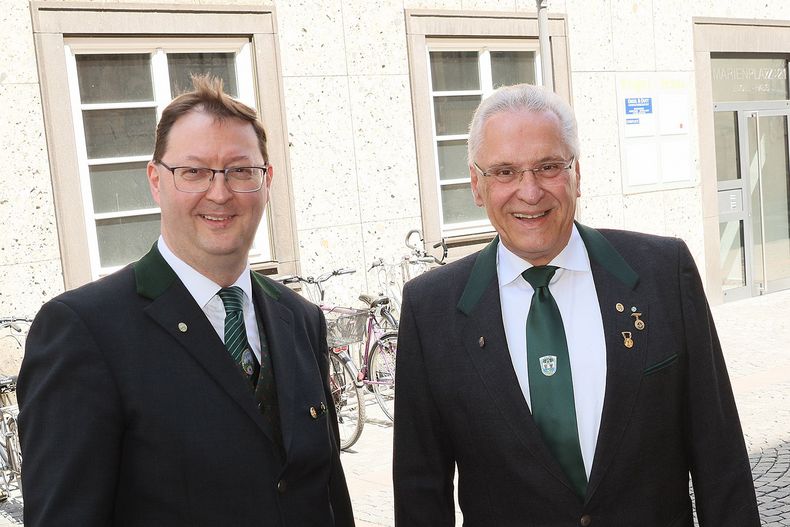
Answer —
572 375
185 389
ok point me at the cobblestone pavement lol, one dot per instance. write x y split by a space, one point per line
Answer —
755 335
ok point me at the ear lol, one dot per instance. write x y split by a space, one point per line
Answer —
475 186
578 173
153 180
268 178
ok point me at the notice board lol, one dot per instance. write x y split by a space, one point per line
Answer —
654 116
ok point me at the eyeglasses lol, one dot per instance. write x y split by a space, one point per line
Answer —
198 179
508 174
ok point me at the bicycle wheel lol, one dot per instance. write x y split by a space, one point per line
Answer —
381 371
349 401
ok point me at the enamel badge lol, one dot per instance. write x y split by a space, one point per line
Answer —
248 362
548 365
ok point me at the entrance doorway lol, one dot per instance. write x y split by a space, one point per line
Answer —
751 123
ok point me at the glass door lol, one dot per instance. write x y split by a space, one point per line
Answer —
769 192
753 171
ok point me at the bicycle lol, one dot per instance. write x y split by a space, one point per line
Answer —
14 329
392 276
347 326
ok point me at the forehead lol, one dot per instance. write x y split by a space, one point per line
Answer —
199 134
513 135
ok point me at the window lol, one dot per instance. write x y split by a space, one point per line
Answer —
107 74
455 60
119 91
461 75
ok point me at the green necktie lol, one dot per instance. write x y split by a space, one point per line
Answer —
261 376
236 333
550 382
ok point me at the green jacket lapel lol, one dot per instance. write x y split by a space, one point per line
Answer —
153 276
483 271
601 251
598 248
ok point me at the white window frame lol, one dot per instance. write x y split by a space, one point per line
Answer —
56 23
426 28
158 49
483 47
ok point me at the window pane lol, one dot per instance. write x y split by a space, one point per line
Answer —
116 133
458 205
453 113
182 65
452 159
749 79
732 256
115 78
123 240
454 70
120 187
512 67
725 126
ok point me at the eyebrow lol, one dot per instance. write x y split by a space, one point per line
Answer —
235 159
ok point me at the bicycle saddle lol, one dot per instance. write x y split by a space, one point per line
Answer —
374 301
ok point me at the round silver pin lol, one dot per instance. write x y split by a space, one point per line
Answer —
247 362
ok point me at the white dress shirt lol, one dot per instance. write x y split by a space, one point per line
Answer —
573 289
204 291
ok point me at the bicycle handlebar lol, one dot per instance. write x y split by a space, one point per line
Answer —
11 322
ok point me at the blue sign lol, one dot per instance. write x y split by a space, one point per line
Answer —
638 105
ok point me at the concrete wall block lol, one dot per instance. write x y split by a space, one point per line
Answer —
321 151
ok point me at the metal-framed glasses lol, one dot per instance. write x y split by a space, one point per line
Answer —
198 179
508 174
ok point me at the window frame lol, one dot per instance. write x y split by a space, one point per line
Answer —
158 50
483 47
426 28
54 24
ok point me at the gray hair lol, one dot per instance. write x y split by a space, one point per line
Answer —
523 97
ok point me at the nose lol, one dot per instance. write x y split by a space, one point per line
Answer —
218 190
528 189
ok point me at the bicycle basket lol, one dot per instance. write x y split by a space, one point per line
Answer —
342 330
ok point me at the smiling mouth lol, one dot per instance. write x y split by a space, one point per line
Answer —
215 218
530 216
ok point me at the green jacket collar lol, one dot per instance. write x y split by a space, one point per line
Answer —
153 276
598 248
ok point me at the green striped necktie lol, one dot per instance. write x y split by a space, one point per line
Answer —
550 381
236 333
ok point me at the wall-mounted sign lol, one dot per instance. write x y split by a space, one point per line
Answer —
654 113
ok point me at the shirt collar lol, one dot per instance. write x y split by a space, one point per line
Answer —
573 257
200 287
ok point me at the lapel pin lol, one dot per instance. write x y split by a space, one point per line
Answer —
628 342
248 362
182 327
638 323
313 412
481 342
633 309
619 307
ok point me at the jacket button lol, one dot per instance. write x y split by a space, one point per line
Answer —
585 520
282 486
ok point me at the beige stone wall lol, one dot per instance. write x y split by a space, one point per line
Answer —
348 106
30 269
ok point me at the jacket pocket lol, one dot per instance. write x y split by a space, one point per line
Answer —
669 361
